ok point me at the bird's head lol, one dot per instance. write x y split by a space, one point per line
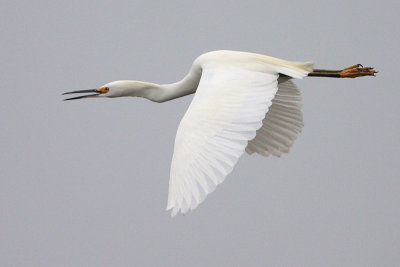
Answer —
112 89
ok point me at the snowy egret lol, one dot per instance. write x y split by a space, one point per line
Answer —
243 102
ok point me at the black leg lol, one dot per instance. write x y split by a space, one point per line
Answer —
330 74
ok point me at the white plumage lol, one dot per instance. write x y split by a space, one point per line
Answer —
282 124
243 102
228 110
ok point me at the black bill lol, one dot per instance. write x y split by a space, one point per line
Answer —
97 92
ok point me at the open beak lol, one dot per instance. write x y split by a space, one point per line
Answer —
96 91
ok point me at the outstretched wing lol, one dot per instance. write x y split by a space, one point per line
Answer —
226 111
282 124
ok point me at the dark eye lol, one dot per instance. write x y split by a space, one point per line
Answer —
106 89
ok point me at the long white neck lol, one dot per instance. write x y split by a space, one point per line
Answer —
164 92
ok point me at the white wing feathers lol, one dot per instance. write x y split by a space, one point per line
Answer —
282 124
226 111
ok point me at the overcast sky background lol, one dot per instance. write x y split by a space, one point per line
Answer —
85 183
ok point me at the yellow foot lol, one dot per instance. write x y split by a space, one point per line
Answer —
357 71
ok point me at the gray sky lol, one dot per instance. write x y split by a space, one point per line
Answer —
85 183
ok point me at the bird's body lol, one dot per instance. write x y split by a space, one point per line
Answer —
243 102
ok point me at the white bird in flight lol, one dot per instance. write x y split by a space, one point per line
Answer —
243 102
